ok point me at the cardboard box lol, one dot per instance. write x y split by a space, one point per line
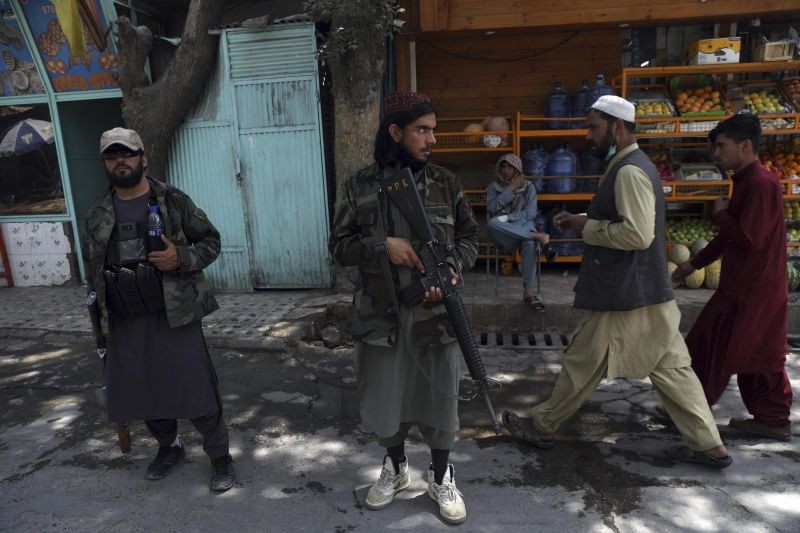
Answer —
713 51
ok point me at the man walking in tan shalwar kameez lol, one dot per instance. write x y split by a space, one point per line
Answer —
632 330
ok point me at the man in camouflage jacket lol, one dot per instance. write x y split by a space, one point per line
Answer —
157 364
187 296
408 361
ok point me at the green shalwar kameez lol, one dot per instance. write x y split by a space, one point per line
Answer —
406 384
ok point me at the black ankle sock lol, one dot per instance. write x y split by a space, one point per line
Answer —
439 459
397 454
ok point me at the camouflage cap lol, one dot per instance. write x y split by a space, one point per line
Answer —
127 138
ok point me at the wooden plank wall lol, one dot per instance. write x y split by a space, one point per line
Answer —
476 74
457 15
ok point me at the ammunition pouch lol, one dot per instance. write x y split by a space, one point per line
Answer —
133 289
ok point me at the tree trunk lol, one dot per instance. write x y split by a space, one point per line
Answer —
357 113
156 109
354 51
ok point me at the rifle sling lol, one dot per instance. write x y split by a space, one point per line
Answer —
383 254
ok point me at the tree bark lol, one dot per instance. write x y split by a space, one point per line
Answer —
355 125
156 109
354 51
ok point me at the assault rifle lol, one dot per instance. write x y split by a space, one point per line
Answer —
402 191
123 432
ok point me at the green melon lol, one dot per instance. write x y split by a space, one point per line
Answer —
695 279
679 254
712 274
793 276
672 267
698 245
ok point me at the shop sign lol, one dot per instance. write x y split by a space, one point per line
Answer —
18 75
71 67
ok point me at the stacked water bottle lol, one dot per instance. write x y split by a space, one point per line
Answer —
561 105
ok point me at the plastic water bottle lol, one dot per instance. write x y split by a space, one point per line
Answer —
155 229
558 105
534 164
579 105
561 163
600 89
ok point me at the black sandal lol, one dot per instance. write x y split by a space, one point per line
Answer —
523 429
536 303
549 252
685 455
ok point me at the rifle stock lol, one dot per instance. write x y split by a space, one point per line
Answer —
123 432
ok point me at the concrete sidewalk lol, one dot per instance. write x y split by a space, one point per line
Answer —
303 462
256 319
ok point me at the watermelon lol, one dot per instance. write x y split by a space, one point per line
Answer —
793 276
695 279
679 254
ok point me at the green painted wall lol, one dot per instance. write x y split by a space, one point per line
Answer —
82 123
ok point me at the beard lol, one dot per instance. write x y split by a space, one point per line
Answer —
408 160
600 151
127 181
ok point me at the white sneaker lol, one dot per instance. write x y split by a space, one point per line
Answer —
451 504
382 492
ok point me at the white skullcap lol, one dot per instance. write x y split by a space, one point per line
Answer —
616 107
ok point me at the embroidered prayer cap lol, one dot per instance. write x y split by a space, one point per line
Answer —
512 160
127 138
397 101
616 107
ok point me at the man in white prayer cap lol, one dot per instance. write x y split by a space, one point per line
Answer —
632 327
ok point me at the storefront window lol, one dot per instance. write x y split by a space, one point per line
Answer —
75 46
30 180
18 73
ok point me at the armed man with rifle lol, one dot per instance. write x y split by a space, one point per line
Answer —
145 247
408 348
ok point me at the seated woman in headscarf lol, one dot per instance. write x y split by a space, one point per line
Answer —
511 203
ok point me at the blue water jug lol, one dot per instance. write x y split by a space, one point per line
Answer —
561 163
558 105
534 164
580 104
600 89
542 224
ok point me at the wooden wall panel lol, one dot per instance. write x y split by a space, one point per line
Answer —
480 14
477 74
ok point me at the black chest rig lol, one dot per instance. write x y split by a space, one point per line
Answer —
133 284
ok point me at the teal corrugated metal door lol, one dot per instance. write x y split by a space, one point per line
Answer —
203 163
275 83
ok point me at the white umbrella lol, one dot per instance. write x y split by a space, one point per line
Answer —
26 136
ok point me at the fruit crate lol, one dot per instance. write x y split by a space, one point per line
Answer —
699 190
451 137
475 197
775 110
698 125
775 51
654 108
697 96
791 188
698 172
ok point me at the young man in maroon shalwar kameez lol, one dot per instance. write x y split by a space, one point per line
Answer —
742 329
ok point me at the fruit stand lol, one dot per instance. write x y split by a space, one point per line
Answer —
676 110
